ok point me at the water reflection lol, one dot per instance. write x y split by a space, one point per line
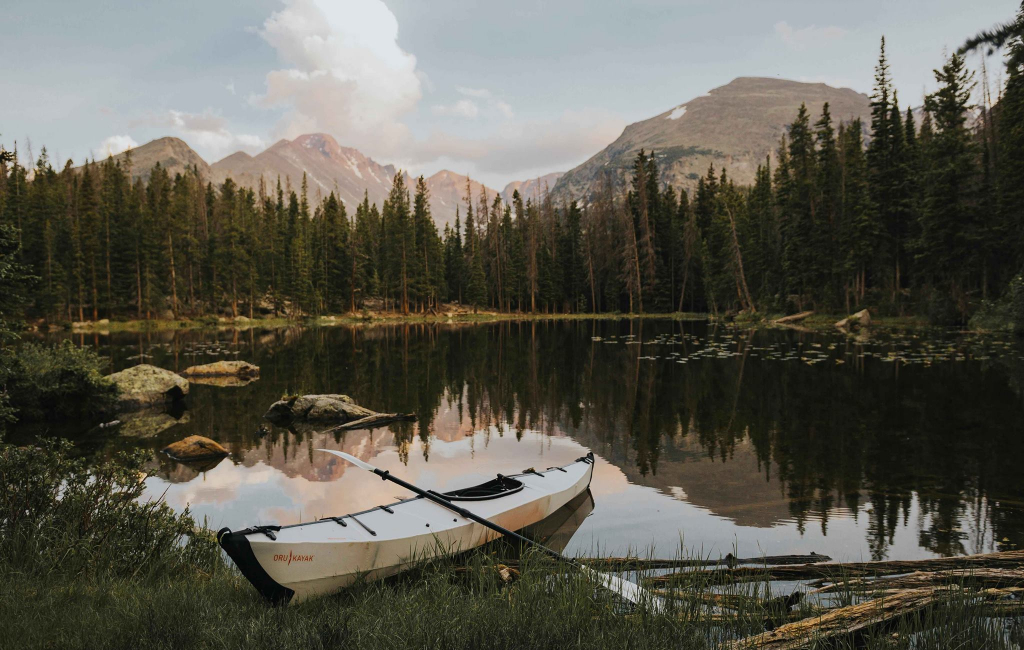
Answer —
773 441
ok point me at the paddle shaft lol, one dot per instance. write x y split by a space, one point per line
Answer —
462 512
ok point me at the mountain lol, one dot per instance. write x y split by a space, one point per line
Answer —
343 170
173 154
735 126
448 190
531 189
328 167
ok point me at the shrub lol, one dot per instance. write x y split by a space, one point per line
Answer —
59 514
62 381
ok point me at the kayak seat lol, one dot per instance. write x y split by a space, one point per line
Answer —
493 489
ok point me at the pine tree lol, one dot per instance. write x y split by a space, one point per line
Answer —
946 248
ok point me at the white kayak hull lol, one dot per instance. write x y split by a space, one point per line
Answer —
293 563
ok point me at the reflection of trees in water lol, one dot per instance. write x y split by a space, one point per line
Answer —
833 435
865 433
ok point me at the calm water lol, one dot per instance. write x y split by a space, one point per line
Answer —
768 441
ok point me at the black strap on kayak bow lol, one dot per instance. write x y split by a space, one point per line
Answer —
338 520
266 530
387 510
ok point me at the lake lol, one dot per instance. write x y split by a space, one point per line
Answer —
894 445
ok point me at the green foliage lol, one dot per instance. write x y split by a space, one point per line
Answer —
920 215
62 381
61 515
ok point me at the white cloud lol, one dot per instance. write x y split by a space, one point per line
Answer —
479 93
114 145
462 108
470 109
345 75
504 109
809 37
230 87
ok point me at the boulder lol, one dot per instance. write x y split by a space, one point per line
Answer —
195 448
144 386
320 408
240 369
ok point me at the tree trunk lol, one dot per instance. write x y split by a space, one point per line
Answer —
174 276
739 262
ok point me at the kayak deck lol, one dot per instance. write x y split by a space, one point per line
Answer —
291 563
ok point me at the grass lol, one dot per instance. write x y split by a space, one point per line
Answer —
85 565
439 606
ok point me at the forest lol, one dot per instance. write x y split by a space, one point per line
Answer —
917 213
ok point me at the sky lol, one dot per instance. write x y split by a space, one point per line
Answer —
502 91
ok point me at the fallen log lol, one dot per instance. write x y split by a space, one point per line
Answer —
854 619
872 615
640 564
1005 559
793 318
982 578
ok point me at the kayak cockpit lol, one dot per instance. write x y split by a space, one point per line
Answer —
495 488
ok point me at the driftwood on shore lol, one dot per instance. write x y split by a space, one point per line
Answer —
874 615
640 564
1006 559
793 318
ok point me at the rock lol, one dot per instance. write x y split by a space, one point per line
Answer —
323 408
103 321
242 319
195 448
144 385
240 369
167 314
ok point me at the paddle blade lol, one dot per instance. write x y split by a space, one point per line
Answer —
352 459
630 591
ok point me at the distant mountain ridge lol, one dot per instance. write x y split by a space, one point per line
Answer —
328 166
735 126
533 188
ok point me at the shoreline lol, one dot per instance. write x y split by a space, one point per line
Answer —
817 323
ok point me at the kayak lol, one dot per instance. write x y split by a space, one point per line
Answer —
289 564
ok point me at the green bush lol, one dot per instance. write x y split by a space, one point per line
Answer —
62 381
63 515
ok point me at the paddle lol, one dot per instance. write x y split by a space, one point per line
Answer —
628 590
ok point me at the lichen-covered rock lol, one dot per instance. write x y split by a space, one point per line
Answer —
143 386
321 408
195 448
240 369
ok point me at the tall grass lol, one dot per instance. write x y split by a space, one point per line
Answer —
84 565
